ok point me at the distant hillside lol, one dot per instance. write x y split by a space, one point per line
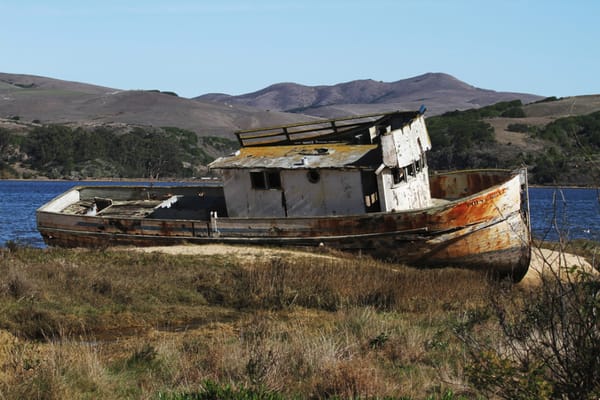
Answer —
56 128
439 92
44 100
36 99
539 114
557 139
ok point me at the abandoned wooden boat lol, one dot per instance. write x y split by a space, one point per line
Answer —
359 183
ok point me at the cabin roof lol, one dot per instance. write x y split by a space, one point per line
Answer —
307 156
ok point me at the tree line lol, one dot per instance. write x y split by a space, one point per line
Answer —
463 140
62 151
460 140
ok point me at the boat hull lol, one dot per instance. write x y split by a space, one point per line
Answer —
482 223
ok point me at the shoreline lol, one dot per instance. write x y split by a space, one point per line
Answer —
214 179
203 179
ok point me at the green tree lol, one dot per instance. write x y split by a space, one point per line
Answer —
455 137
51 144
5 140
513 112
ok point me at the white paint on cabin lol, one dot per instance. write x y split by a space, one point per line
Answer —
399 182
404 149
403 145
336 192
407 195
244 201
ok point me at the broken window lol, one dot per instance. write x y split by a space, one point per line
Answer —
265 180
398 175
411 170
273 180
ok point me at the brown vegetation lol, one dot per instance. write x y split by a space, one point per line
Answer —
123 323
103 324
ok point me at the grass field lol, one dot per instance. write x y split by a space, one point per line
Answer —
105 324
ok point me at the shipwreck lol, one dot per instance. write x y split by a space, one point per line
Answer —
360 184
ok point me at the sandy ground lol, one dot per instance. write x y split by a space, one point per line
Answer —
247 252
548 262
543 261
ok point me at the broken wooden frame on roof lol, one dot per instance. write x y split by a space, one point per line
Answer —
349 129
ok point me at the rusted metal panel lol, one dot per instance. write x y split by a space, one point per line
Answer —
455 185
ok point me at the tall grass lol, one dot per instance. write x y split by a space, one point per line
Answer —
118 324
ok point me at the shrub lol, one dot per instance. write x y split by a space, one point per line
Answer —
547 100
513 112
522 128
549 341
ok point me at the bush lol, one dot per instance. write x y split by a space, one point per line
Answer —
514 112
522 128
549 342
547 100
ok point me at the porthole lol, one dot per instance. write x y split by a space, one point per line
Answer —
313 176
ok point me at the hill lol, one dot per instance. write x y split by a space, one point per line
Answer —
558 139
541 113
35 99
439 92
27 98
56 128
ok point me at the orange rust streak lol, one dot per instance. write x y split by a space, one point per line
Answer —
480 208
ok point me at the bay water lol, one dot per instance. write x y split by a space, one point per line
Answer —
569 213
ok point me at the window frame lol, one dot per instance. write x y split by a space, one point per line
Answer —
265 180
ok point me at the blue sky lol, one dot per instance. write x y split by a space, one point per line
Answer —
550 48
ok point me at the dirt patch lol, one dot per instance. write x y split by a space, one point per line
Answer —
568 106
245 252
520 139
546 262
543 261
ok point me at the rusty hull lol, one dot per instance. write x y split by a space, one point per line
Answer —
482 224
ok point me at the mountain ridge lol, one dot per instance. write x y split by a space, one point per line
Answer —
44 100
440 92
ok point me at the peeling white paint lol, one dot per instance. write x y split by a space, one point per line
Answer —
343 186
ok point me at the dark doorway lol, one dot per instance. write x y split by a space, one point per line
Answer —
370 193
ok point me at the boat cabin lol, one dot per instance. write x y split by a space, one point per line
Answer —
354 165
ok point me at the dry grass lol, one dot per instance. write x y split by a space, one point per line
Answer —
113 324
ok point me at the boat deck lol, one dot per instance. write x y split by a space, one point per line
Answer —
128 208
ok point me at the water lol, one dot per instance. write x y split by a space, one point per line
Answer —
570 213
20 199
